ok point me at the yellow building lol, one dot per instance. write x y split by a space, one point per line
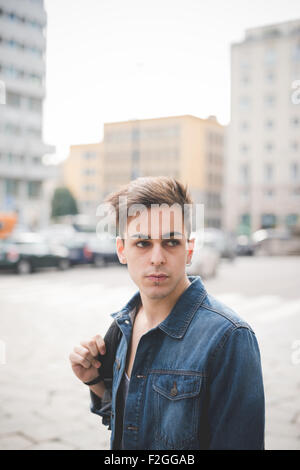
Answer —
83 175
186 147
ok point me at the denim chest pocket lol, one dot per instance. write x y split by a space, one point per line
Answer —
176 409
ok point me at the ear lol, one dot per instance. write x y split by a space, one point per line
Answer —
190 244
120 245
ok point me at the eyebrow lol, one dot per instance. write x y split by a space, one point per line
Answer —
165 235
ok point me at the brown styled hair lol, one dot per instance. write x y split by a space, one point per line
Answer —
150 190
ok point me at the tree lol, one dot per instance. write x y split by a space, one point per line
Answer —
63 203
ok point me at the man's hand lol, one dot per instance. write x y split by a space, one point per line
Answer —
83 358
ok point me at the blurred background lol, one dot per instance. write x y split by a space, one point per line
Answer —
96 93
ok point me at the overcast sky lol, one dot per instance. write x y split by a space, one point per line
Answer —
112 60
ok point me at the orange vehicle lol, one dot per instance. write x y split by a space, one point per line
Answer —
8 221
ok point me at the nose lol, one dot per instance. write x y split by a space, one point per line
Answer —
157 255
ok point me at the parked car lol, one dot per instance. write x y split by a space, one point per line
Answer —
245 246
79 251
76 242
275 242
103 250
222 241
205 258
27 252
58 233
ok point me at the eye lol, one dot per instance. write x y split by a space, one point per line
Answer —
138 243
173 242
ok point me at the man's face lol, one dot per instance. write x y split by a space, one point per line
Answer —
156 245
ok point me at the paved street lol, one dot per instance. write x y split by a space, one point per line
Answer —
43 315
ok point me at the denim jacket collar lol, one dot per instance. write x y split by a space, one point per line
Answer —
177 322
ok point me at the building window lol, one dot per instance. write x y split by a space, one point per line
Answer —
89 188
244 226
36 160
135 156
33 189
244 148
269 192
214 139
245 219
244 102
269 124
244 125
11 187
34 132
135 134
135 173
296 52
89 155
269 147
270 56
291 220
295 121
269 100
13 99
244 174
270 76
245 194
268 172
12 129
245 79
268 220
244 64
35 104
294 172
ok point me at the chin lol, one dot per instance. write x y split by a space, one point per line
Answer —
157 292
157 296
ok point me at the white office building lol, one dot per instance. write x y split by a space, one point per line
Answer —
22 91
263 152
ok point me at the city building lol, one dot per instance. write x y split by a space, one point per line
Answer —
83 175
263 153
186 147
22 83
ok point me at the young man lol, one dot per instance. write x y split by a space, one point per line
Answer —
187 372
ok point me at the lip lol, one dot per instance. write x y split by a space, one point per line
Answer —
157 277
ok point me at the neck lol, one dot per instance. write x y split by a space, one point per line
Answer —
155 311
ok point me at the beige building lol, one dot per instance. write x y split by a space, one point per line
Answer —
263 162
83 174
186 147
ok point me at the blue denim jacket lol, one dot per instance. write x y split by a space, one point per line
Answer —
196 381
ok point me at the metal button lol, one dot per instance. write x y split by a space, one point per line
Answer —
174 390
127 322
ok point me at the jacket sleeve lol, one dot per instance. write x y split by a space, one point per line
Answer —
102 407
236 410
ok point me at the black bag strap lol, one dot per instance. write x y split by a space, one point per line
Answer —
112 339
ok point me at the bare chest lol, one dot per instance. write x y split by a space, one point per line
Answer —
137 332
